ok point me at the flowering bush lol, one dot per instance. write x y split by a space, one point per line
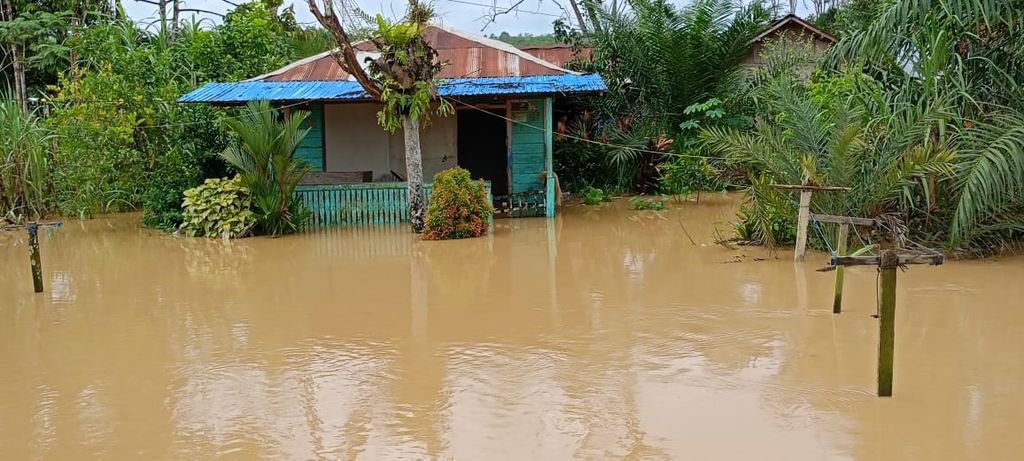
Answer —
458 207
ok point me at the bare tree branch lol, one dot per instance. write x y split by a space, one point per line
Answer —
200 10
495 12
346 58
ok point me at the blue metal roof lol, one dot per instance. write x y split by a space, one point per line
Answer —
236 92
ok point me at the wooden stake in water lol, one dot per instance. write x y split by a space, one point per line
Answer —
887 319
837 299
803 219
33 248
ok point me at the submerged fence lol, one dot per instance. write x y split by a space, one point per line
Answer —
359 203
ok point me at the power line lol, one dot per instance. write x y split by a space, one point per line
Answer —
591 141
494 6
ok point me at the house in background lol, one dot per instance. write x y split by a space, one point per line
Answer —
501 130
791 30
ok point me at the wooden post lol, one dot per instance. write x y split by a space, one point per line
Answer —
837 299
549 166
888 263
33 248
803 219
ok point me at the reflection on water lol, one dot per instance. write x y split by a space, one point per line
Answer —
602 334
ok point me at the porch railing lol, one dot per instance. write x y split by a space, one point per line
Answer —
359 203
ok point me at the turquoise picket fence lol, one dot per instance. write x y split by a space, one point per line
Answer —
359 203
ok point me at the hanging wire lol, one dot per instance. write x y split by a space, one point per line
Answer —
591 141
817 227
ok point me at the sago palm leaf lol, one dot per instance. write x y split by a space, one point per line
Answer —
990 172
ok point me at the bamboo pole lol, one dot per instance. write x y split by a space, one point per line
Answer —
803 221
33 248
837 299
887 319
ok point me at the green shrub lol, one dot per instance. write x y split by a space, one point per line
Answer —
24 167
640 203
161 199
594 196
217 207
769 225
458 207
686 175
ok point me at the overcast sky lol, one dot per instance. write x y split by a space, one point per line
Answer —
533 16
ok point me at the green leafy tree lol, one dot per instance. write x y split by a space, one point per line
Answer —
401 77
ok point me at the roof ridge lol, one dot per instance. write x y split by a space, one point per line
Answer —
500 45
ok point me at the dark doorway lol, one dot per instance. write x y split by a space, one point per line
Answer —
482 147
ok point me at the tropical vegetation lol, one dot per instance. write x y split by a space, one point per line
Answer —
918 109
264 155
99 95
219 207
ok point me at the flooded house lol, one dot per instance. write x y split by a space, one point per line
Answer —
501 129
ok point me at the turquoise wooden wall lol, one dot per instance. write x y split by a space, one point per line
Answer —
311 149
526 153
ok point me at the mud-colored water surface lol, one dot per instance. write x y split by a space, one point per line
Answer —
603 334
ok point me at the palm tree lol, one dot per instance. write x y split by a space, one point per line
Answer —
963 58
659 58
265 158
799 138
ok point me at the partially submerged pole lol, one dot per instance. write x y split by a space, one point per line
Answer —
803 219
33 248
837 299
888 263
804 216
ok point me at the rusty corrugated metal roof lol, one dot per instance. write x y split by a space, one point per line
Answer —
557 54
468 55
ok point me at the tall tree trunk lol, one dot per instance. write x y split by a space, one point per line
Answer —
175 15
579 15
20 92
414 171
162 4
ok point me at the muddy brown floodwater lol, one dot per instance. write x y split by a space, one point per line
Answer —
603 334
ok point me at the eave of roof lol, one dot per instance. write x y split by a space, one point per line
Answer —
346 90
794 18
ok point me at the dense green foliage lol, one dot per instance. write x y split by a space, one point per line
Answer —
524 40
265 157
657 59
218 208
459 207
920 113
109 86
24 169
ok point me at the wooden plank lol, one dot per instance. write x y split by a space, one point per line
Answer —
934 260
844 220
811 187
